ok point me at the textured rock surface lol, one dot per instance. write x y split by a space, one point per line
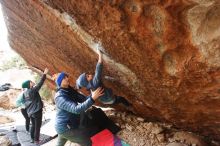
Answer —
4 141
137 132
164 55
5 119
140 133
8 98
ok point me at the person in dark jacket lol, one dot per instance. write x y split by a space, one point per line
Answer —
70 105
34 106
91 82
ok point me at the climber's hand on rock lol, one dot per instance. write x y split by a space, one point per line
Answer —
97 93
99 52
46 70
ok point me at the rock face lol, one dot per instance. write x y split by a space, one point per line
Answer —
5 141
164 55
5 120
8 98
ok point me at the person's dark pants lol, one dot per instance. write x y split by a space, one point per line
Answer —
91 123
120 99
80 135
36 120
27 119
102 120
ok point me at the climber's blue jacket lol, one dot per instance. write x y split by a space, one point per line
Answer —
70 104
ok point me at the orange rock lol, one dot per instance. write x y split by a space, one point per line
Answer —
163 55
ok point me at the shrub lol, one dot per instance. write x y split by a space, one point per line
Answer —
14 62
45 92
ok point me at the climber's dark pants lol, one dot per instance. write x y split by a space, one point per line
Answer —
27 119
36 120
120 99
82 134
79 135
91 123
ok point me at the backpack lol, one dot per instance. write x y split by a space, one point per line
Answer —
20 102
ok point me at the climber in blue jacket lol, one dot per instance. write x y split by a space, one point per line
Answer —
91 82
70 105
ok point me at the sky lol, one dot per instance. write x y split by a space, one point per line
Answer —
5 50
6 53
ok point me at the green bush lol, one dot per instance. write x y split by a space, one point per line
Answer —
14 62
45 92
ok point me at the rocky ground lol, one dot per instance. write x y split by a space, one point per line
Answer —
136 131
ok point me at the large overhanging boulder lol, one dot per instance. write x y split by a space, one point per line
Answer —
164 55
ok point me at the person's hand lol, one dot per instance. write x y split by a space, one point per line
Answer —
54 77
46 70
100 55
99 52
97 93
